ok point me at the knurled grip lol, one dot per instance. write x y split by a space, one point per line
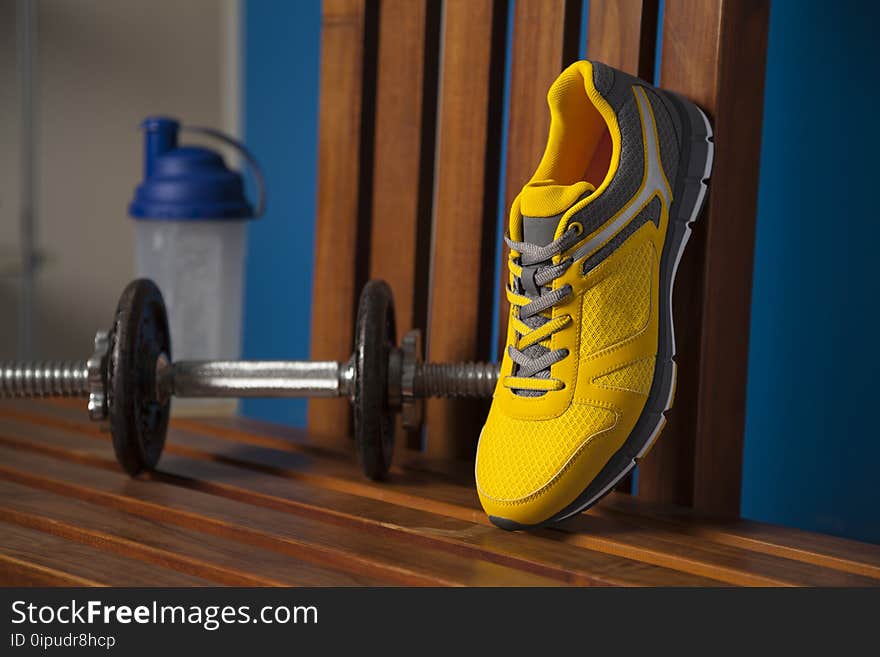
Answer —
455 379
44 379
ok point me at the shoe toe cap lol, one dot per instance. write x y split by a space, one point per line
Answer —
528 470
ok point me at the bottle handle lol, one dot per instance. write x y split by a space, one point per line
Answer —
251 160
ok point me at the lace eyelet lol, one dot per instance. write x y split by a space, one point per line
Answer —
577 226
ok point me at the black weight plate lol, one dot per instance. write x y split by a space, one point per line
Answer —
140 333
373 419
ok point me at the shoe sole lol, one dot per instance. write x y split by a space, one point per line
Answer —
689 198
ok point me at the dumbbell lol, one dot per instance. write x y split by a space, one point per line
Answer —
130 378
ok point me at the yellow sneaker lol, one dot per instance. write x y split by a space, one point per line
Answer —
595 236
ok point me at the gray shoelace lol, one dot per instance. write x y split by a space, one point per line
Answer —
534 283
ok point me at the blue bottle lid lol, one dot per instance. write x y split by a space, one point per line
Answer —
189 182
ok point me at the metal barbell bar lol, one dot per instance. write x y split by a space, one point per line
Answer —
131 378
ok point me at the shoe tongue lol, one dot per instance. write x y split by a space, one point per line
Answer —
542 205
540 231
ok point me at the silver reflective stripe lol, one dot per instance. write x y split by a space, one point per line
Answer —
654 182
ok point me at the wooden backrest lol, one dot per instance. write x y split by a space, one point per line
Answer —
409 185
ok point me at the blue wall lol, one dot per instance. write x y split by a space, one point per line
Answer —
811 443
281 71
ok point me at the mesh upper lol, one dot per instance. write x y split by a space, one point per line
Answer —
603 78
634 377
666 134
606 320
516 457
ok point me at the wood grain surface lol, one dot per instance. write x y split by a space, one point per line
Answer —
713 53
403 157
348 42
237 502
462 284
623 34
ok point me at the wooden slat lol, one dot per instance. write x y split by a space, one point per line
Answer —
281 489
622 34
465 206
214 559
17 572
418 528
316 542
713 53
35 558
437 492
433 492
396 511
347 39
546 37
665 547
230 492
403 162
443 487
728 563
828 552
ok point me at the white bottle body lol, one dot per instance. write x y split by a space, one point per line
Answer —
199 267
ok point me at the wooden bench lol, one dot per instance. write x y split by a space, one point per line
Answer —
410 188
237 502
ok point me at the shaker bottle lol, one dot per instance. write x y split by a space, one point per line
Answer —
191 215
